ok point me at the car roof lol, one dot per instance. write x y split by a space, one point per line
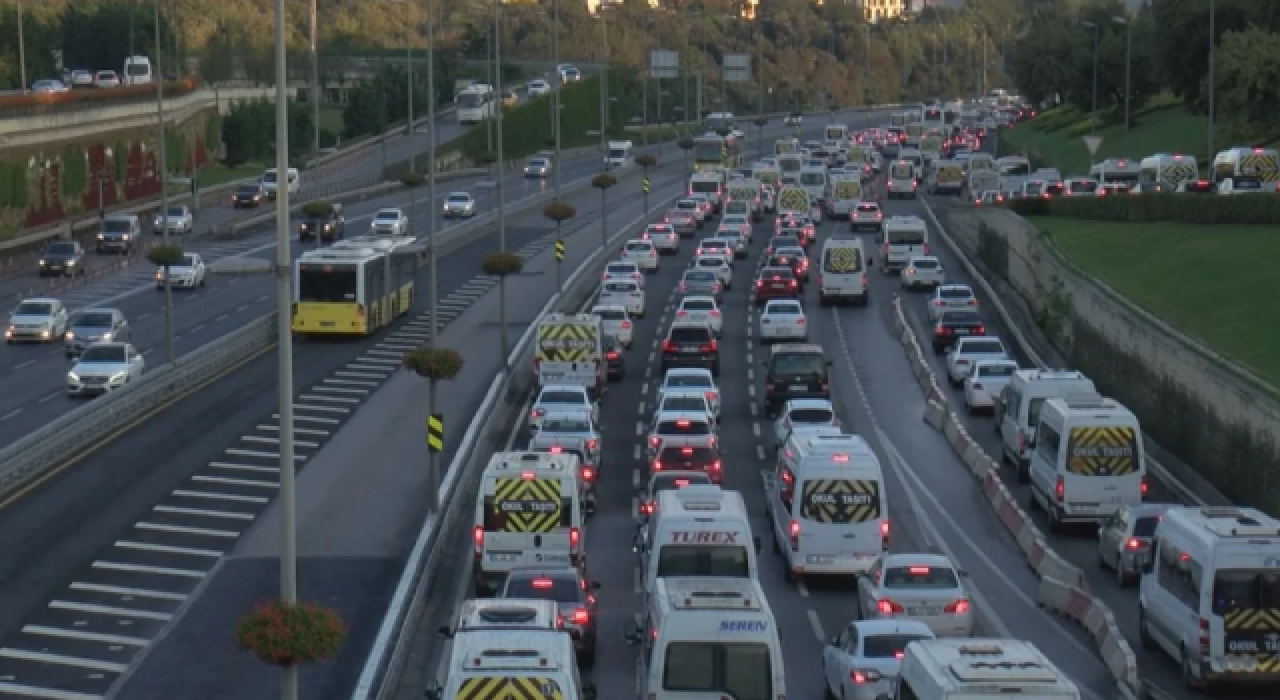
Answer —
46 300
120 217
954 288
687 372
698 297
460 194
109 344
807 348
563 387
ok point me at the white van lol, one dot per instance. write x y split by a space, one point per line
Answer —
1210 592
842 272
903 238
707 638
521 662
1017 412
619 155
137 71
902 180
528 513
969 669
828 505
699 530
814 181
271 182
1087 460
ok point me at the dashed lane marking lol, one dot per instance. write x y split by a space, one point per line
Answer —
816 624
203 512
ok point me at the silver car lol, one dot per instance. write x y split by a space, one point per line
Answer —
94 326
695 207
180 221
389 222
1124 540
104 367
923 587
664 237
538 167
683 221
923 272
951 297
459 205
737 242
701 283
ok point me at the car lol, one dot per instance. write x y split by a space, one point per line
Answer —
691 345
968 351
89 326
459 205
953 324
769 198
323 223
615 364
775 283
734 238
538 166
106 79
1112 189
624 292
41 319
187 273
866 216
249 196
1124 539
863 661
986 382
705 203
793 257
714 246
695 209
741 221
692 379
951 297
45 87
81 79
783 320
793 120
923 271
616 322
698 282
701 309
783 240
104 367
665 480
719 264
641 252
664 237
180 221
389 222
678 429
562 399
704 459
683 221
689 400
918 586
538 88
62 259
571 431
573 595
803 413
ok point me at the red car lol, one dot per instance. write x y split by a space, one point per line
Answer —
776 283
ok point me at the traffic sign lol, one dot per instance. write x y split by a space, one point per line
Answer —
1092 142
645 184
559 250
435 432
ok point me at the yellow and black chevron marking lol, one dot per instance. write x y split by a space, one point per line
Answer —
840 500
841 260
1102 451
435 432
645 184
1266 663
1176 174
509 688
528 505
793 199
566 342
1261 165
559 250
1264 620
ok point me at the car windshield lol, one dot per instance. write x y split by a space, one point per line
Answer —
1084 186
779 242
388 215
61 249
953 293
561 589
710 262
561 397
1146 526
981 347
920 577
34 308
103 353
537 162
888 646
248 190
792 363
269 177
820 416
566 425
961 317
92 320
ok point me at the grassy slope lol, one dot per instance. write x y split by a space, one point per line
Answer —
1193 277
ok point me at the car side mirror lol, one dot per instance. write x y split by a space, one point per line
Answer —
633 633
432 691
445 632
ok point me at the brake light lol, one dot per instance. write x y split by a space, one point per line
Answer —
588 474
960 607
555 450
715 466
477 536
794 531
668 346
612 355
971 302
527 476
647 508
941 330
791 283
581 616
715 313
657 465
681 314
542 583
1204 637
759 284
918 570
980 330
864 280
682 289
575 537
800 321
1133 543
861 676
1059 491
938 303
655 441
884 529
1143 486
924 249
888 607
707 347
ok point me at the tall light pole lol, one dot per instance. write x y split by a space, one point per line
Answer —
408 63
555 92
604 83
22 51
1093 114
502 213
433 290
1212 40
1128 75
163 174
284 351
315 82
866 68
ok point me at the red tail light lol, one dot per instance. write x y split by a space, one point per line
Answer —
1144 486
800 322
715 466
924 249
646 508
575 538
1204 637
657 465
759 284
668 346
864 280
959 607
884 248
977 386
884 529
707 347
612 355
971 302
794 531
941 330
682 288
715 313
588 474
478 536
938 303
792 284
1133 543
1059 491
580 616
681 314
888 607
655 441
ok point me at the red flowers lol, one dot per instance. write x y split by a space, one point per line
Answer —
287 635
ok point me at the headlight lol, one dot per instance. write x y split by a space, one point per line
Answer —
101 237
125 237
117 377
71 263
73 377
70 335
105 337
41 263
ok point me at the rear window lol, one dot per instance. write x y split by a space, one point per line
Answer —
683 427
1146 526
561 397
705 186
620 287
700 276
961 317
622 268
811 415
566 425
906 237
687 380
689 334
868 207
1245 589
799 363
785 242
699 304
612 314
696 404
925 264
675 455
920 577
639 245
710 262
1084 187
792 308
777 272
686 204
955 293
982 347
560 589
887 646
997 370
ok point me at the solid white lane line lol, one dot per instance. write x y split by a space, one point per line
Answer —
60 660
183 530
30 691
85 636
126 592
169 549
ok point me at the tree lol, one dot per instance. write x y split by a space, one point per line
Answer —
603 182
1248 66
217 63
1042 59
501 265
436 365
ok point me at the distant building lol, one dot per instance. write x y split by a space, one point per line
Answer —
876 10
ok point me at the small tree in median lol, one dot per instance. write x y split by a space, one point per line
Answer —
284 634
165 257
411 179
603 182
501 265
760 123
646 161
559 212
435 365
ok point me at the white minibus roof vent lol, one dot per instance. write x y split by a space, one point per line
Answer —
509 659
1239 522
1002 671
703 594
1091 403
528 460
1060 374
707 498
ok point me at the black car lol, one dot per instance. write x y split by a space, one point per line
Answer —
795 371
794 258
249 196
62 259
691 345
614 363
784 240
322 220
572 594
952 325
690 459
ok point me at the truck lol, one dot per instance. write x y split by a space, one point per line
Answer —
571 351
843 194
931 143
948 178
857 157
619 154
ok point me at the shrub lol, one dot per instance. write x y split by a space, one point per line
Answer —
646 161
604 181
502 264
559 212
281 634
1259 209
165 255
411 179
435 364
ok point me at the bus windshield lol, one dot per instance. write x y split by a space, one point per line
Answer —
471 100
327 284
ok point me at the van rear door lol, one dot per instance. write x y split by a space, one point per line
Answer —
527 521
1103 468
839 520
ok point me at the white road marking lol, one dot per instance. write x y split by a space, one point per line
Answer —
85 636
204 513
276 441
639 429
21 365
816 624
635 453
340 389
124 592
111 610
258 453
184 530
802 589
10 414
314 419
235 482
755 428
253 468
60 660
49 397
296 430
28 691
212 496
759 453
168 549
350 382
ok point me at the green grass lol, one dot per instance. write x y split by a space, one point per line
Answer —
1054 138
217 174
1213 283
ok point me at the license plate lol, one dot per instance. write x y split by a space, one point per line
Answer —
820 559
962 331
688 348
924 611
798 387
552 558
503 557
326 324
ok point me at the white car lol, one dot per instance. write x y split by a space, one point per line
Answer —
616 322
737 242
180 219
692 379
620 291
389 222
967 352
459 205
538 88
106 79
42 320
864 660
641 252
538 166
188 273
664 237
866 216
695 208
683 401
803 412
923 271
923 587
104 367
741 221
719 264
624 269
951 297
783 319
562 399
715 246
985 382
701 309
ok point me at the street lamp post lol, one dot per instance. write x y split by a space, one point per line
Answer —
1128 75
1212 40
163 174
604 83
22 51
498 166
315 84
408 62
555 93
433 290
1093 114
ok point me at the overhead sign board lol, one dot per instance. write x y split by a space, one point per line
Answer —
736 68
664 64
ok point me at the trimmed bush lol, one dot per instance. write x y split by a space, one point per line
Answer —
559 211
436 364
285 635
1253 209
604 181
646 161
165 255
502 264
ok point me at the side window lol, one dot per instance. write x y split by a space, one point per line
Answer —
1048 441
851 642
1179 574
1013 403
